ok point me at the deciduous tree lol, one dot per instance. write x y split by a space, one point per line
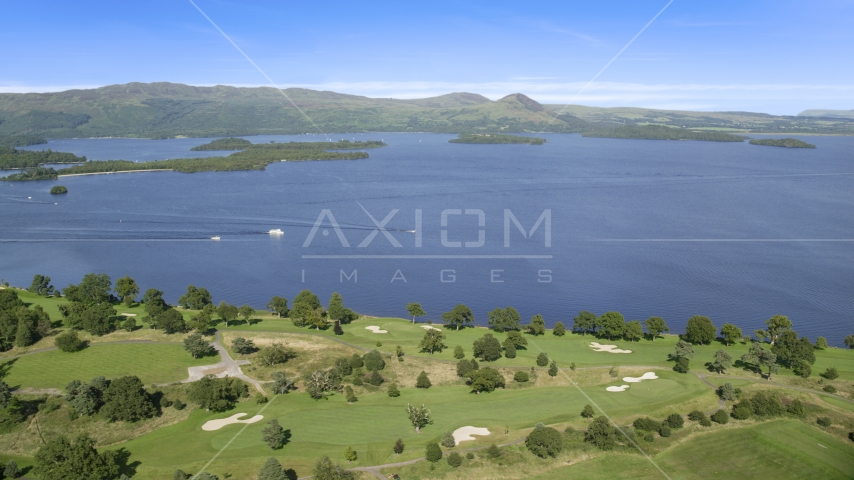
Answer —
602 434
537 325
584 322
721 361
433 341
633 331
487 348
655 326
197 345
274 435
700 330
544 442
505 319
559 330
279 306
415 310
776 326
460 316
611 324
418 416
730 333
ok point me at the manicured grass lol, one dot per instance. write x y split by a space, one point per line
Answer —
780 449
375 421
152 363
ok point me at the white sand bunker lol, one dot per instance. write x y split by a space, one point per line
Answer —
645 376
463 434
211 425
128 314
621 388
430 327
607 348
376 329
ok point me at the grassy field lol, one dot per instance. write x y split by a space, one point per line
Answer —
152 363
780 449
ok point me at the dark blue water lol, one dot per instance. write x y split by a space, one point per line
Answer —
732 231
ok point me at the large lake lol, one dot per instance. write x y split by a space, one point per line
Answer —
674 229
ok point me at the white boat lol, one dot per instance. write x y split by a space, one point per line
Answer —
215 237
276 231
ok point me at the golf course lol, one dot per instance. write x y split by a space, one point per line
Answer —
549 385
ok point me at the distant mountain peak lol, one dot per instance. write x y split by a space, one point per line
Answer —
525 100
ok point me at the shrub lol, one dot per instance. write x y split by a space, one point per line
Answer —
664 431
705 422
493 451
824 421
179 405
393 391
674 420
831 373
465 366
470 456
433 453
459 353
767 404
568 430
243 346
727 392
544 442
510 351
375 378
520 376
720 417
742 411
553 369
165 403
649 437
829 389
797 408
379 343
260 398
614 372
696 415
129 325
374 360
448 440
343 365
646 424
572 366
356 361
69 342
423 381
455 460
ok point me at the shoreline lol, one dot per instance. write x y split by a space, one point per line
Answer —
118 171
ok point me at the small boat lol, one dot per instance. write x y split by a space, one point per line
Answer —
276 231
215 237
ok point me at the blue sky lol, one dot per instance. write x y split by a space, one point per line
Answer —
771 56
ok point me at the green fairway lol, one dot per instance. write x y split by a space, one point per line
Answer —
152 363
780 449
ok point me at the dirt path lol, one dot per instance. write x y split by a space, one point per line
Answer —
227 367
721 402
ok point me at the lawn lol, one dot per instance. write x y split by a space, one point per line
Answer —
152 363
780 449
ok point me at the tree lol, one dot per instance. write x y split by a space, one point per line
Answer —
272 470
720 417
587 412
758 357
448 440
374 361
324 469
830 373
791 350
69 341
154 305
320 382
584 322
700 330
422 381
602 434
537 325
243 346
721 361
465 366
849 341
460 316
509 350
41 286
432 341
197 346
216 394
655 326
820 343
281 383
415 310
279 306
611 324
126 400
226 312
544 442
127 289
674 420
246 312
559 330
274 435
201 322
553 369
485 380
458 352
93 289
516 339
12 470
375 378
393 391
683 365
350 455
418 416
195 298
542 359
398 446
61 459
487 348
521 376
505 319
85 398
335 311
633 331
455 460
274 354
802 369
683 350
433 452
170 321
336 329
776 326
730 333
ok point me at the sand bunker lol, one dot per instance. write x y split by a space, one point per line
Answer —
128 314
463 434
376 329
621 388
607 348
211 425
645 376
430 327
